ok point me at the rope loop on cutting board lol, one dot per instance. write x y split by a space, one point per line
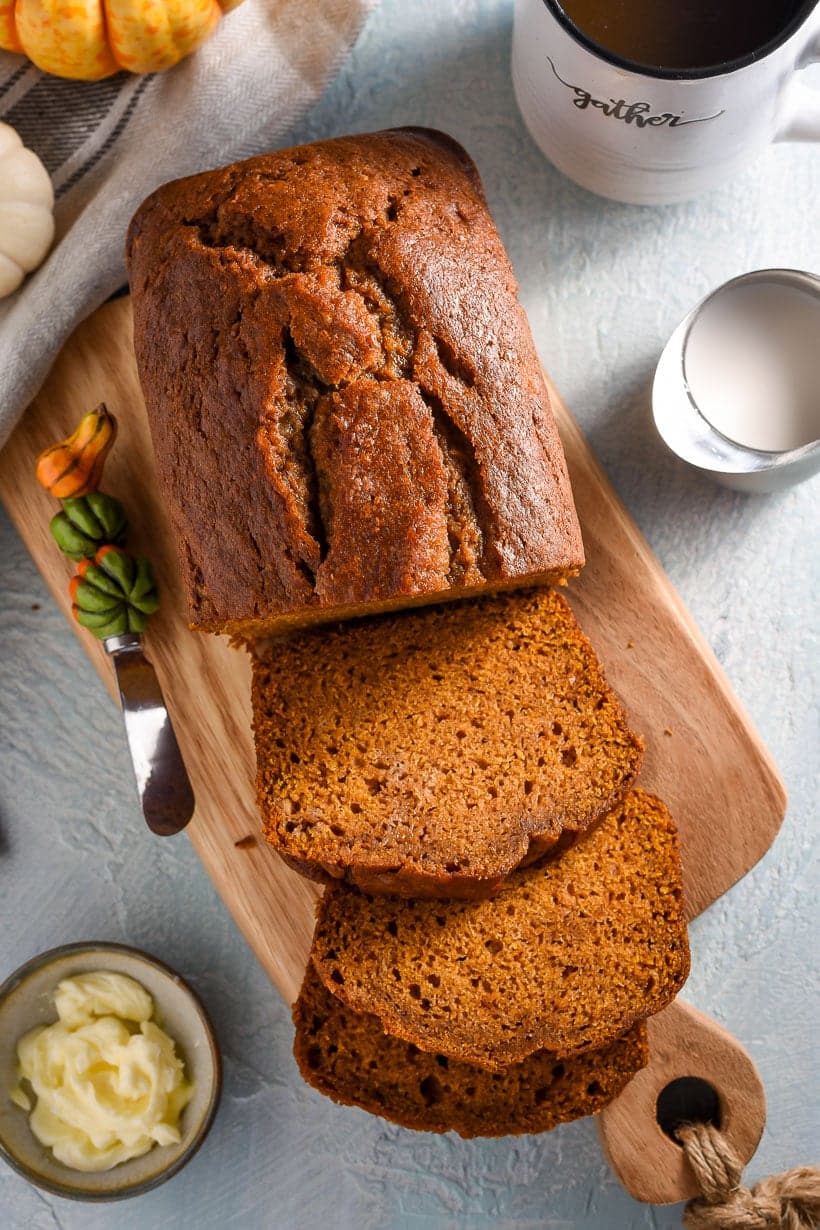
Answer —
789 1201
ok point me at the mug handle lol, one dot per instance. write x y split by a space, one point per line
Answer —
801 105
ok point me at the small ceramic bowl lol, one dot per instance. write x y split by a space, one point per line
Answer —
27 1000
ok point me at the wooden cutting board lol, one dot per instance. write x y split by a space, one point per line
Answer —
703 755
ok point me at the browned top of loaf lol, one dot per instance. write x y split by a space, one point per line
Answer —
567 957
346 405
431 752
350 1058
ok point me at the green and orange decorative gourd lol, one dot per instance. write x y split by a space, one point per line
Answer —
113 592
88 522
74 466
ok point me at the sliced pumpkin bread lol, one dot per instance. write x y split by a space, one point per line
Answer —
349 1057
567 957
432 752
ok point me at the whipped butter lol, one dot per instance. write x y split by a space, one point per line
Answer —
107 1080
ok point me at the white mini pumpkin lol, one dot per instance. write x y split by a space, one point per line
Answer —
26 211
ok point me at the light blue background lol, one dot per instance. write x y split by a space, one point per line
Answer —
604 285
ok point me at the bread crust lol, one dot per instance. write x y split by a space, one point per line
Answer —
347 410
412 882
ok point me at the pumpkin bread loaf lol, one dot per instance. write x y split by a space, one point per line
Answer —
567 957
347 409
429 753
349 1058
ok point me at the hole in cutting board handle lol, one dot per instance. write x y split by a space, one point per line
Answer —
688 1099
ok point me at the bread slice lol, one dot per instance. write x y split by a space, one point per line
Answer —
430 753
567 957
351 1059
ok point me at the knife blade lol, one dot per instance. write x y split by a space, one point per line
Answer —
164 787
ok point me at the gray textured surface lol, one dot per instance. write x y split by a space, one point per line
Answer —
604 285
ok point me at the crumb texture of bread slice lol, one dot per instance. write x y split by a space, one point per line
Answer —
349 1058
347 410
567 957
432 752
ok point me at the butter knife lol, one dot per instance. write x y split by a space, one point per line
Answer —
164 787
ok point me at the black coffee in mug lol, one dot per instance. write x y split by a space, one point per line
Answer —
681 34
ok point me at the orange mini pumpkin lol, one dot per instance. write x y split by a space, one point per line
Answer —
90 39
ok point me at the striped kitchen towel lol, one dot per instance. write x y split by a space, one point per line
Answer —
107 144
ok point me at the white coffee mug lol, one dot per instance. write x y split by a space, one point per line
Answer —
652 136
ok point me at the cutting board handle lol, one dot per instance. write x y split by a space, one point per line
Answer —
696 1071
